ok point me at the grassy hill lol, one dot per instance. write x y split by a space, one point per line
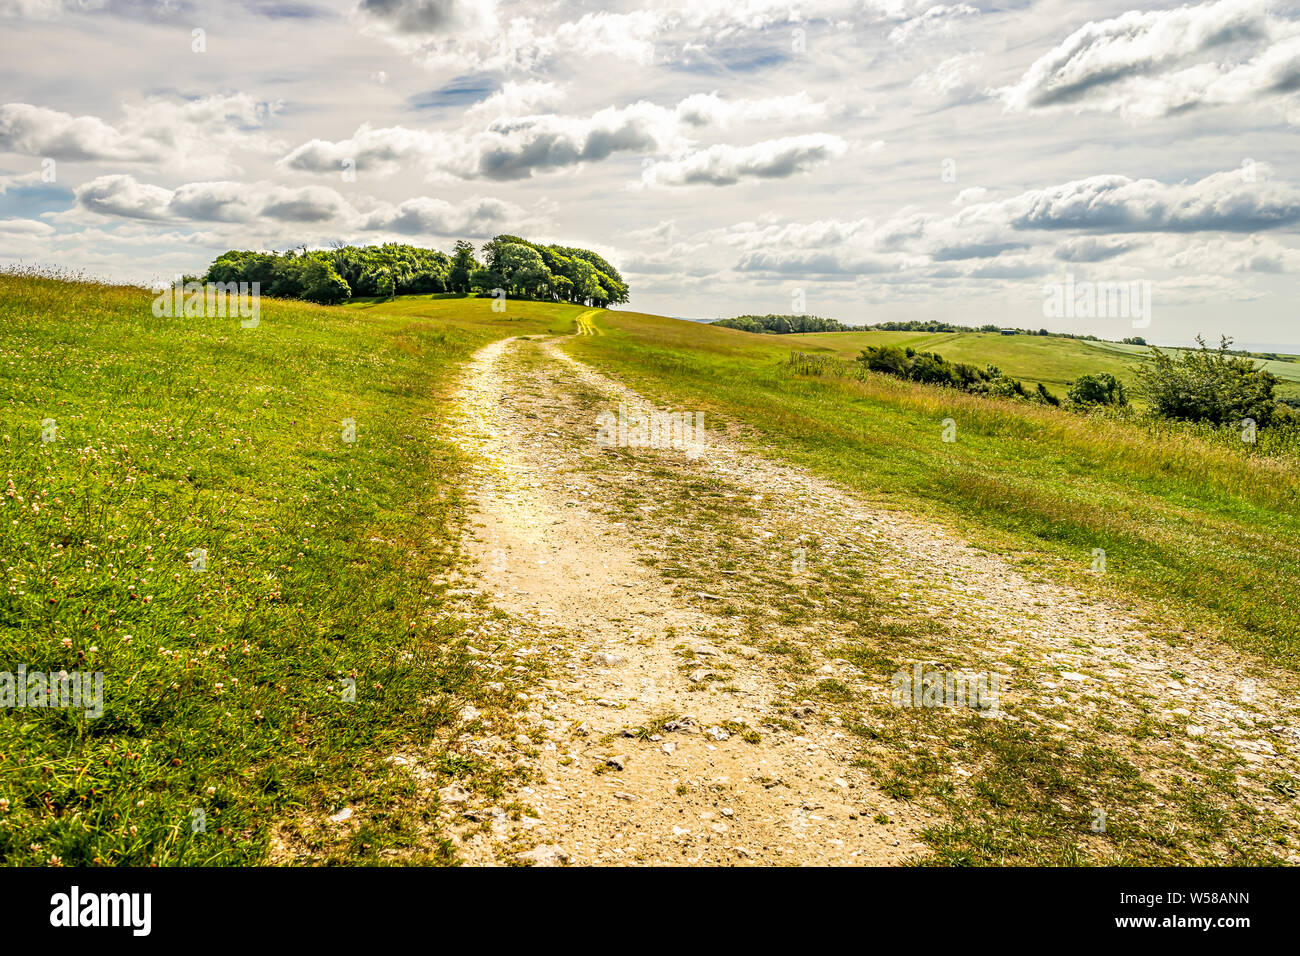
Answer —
1051 360
1198 523
226 687
326 559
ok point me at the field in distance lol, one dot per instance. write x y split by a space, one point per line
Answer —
1051 360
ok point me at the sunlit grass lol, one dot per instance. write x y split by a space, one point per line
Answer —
225 689
1199 522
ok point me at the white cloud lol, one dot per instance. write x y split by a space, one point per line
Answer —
1153 63
122 196
936 20
195 136
725 165
25 227
951 79
704 109
517 99
514 147
479 217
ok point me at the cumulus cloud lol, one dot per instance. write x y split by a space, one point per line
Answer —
1227 201
31 9
472 34
939 19
25 227
425 216
952 79
423 18
725 165
705 109
518 146
517 99
509 148
1092 249
1152 63
477 34
36 131
1018 232
624 36
122 196
196 136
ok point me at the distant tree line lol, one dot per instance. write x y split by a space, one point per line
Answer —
517 267
936 326
781 324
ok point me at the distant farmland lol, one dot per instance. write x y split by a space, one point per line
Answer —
1051 360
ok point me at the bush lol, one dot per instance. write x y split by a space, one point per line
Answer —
931 368
1099 389
1208 385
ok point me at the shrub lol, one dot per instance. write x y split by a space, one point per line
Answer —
1101 388
931 368
1208 385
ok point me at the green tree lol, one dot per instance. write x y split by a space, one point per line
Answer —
1208 385
320 283
1100 388
463 265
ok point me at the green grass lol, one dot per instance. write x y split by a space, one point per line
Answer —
224 689
328 560
1051 360
1020 791
1202 526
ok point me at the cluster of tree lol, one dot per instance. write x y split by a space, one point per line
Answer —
330 276
525 269
932 368
916 325
517 267
1097 390
782 324
1211 385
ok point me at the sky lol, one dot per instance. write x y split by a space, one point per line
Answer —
865 160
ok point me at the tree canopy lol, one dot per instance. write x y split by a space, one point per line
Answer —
521 269
1208 385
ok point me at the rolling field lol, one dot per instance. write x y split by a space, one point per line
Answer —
1053 361
259 705
1186 522
266 688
